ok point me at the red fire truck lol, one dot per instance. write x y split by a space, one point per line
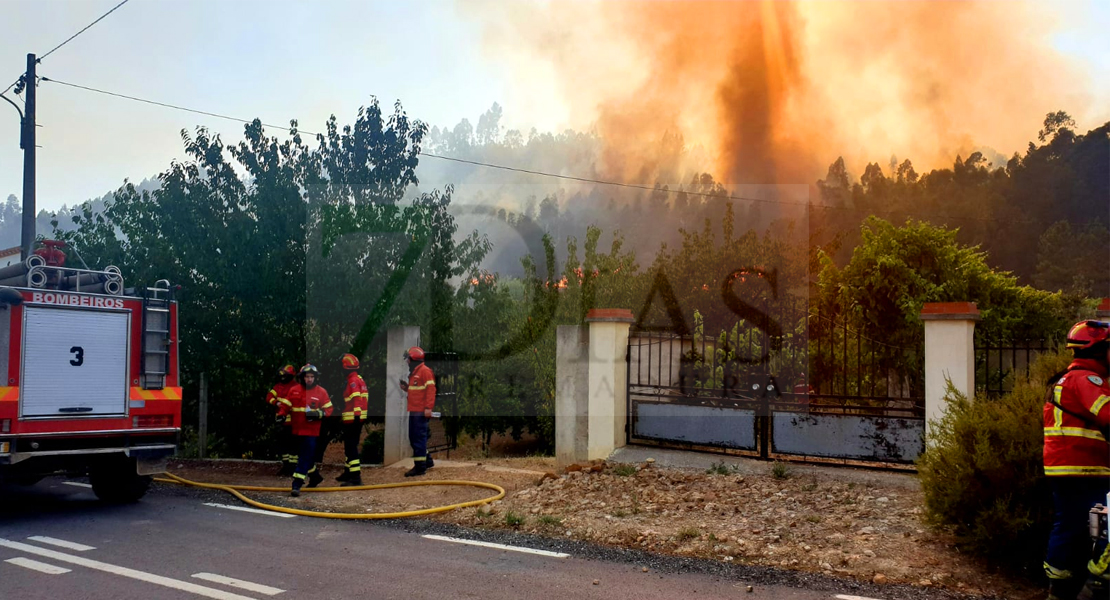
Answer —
91 373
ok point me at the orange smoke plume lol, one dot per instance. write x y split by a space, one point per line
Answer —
774 91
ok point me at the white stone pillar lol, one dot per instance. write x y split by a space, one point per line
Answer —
398 340
608 380
572 393
949 353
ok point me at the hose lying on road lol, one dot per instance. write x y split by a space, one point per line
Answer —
236 489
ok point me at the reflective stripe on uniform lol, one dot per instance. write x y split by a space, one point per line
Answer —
298 476
1098 567
1054 573
1101 402
1074 432
419 459
1057 412
1101 471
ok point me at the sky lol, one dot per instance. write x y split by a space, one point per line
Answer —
279 59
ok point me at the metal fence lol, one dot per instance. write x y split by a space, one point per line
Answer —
745 391
999 364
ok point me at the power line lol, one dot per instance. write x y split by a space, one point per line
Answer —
548 174
165 105
83 30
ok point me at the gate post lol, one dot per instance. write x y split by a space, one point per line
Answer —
949 353
572 394
608 380
398 340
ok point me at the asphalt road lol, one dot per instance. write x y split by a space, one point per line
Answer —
58 542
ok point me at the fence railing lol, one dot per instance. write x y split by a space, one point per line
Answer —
999 363
822 361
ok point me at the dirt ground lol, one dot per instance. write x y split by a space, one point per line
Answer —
809 520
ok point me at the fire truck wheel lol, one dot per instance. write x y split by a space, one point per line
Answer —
117 482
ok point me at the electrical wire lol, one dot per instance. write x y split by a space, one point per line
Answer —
83 30
554 175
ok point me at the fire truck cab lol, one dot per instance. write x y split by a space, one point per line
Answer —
90 377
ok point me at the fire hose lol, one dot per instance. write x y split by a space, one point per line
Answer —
236 490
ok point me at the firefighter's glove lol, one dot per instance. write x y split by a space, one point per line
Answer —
313 415
279 418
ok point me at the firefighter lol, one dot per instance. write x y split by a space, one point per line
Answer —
1077 463
277 396
421 390
309 404
354 407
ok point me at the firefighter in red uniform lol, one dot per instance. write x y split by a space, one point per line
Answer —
308 403
421 389
277 396
1077 463
354 407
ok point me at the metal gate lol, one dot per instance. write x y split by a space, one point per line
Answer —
741 392
443 433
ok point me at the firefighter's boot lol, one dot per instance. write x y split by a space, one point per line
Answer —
296 491
287 468
353 480
1064 589
429 463
417 470
315 478
345 475
1095 589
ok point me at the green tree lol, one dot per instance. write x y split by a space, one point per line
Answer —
1073 261
310 254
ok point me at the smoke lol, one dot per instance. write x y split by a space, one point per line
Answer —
774 91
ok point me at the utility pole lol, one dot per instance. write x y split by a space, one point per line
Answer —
27 240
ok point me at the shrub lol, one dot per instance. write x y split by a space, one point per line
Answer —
780 470
624 470
982 472
550 520
373 448
689 533
513 520
721 468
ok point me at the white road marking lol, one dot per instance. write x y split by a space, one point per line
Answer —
256 511
847 597
77 484
35 565
239 583
61 543
96 565
497 546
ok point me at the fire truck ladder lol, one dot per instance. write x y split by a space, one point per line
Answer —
156 335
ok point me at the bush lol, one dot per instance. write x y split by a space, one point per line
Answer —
373 448
982 472
624 470
721 468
